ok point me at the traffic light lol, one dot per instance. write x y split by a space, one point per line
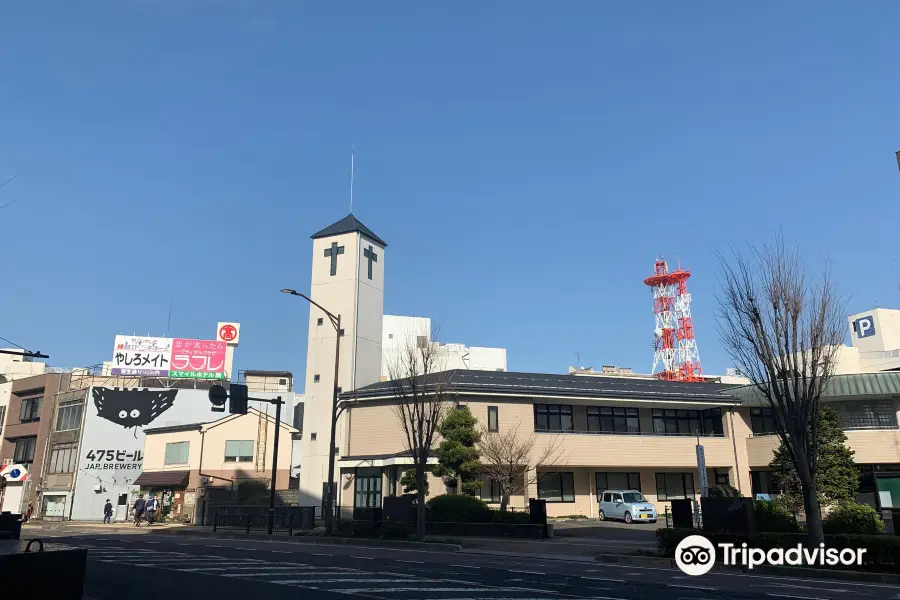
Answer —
217 397
238 401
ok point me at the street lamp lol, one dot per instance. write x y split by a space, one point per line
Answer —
336 321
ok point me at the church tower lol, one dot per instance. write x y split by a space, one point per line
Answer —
347 280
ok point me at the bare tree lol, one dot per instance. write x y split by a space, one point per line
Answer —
509 459
783 331
422 397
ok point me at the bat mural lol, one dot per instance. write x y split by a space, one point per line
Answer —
132 408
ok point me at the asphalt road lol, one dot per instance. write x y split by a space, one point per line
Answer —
149 567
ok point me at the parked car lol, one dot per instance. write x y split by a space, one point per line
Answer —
626 505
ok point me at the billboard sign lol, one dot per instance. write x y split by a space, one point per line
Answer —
864 326
175 358
228 332
197 359
144 356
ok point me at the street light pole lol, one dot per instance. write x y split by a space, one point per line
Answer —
329 488
278 404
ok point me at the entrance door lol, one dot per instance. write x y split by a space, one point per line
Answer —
12 498
122 508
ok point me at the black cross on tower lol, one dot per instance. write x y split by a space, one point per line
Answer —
333 253
370 254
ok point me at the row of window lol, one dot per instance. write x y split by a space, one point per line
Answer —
557 418
178 453
68 416
873 414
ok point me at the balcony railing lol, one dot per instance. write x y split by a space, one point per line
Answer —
628 433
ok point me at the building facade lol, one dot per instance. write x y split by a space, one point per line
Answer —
619 433
399 332
182 462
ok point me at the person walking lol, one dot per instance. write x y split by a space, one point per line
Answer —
107 511
29 511
151 508
139 505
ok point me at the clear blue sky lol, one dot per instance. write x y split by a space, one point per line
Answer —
525 161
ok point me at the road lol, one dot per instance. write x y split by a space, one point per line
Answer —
145 567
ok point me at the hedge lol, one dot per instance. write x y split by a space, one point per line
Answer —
882 551
461 508
852 517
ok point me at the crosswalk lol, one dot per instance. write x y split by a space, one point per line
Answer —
343 580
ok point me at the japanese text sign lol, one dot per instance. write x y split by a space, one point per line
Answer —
168 357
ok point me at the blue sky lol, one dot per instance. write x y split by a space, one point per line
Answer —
525 161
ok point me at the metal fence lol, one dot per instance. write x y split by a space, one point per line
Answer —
258 518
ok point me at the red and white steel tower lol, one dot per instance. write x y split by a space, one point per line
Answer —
675 345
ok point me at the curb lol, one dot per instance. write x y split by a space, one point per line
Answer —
318 540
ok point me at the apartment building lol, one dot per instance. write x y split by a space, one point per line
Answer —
182 461
621 433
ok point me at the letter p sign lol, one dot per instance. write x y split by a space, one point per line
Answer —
864 327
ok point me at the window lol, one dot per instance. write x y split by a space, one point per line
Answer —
556 487
341 332
2 416
687 422
238 451
421 341
312 436
282 381
25 450
493 424
762 482
68 417
177 453
673 486
617 481
63 458
368 492
31 409
490 491
316 379
762 421
319 321
553 417
390 336
875 414
712 421
607 419
298 417
721 477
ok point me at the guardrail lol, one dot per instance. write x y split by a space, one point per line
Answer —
249 521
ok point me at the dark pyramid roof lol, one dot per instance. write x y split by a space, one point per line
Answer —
349 224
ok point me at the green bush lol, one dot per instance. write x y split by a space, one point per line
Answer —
853 518
882 551
724 491
458 509
773 518
394 530
514 518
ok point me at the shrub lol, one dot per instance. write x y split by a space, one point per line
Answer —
853 518
773 518
458 509
724 491
394 530
882 552
514 518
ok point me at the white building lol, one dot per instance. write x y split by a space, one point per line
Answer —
14 366
398 332
875 343
348 281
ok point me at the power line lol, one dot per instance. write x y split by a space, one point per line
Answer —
11 342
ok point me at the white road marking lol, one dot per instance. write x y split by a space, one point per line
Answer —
796 597
281 551
416 562
464 566
415 589
526 572
294 568
692 587
603 579
363 557
801 587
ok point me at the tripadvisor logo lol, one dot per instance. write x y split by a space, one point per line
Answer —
696 555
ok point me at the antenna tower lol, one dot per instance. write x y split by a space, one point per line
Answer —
675 347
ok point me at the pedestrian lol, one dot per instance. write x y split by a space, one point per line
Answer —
139 505
29 511
107 511
151 508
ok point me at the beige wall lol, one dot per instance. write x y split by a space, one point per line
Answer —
212 440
